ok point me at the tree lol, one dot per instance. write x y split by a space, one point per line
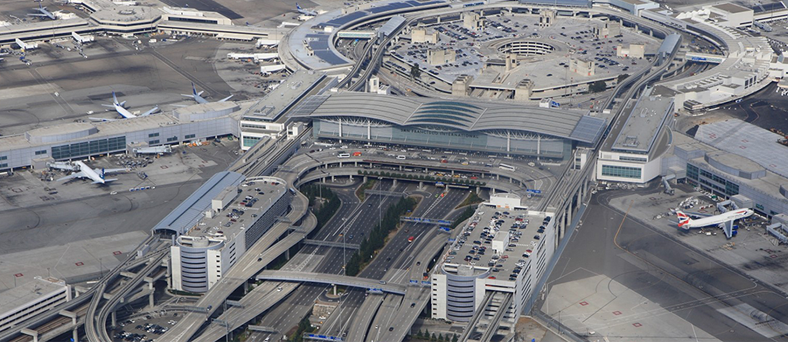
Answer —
433 338
455 338
415 71
598 86
440 337
622 77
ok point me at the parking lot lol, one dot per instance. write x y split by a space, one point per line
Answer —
549 67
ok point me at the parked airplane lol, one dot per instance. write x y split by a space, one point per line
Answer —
268 69
197 96
97 175
44 13
305 11
724 220
125 113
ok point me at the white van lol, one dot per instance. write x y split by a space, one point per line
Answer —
400 157
343 155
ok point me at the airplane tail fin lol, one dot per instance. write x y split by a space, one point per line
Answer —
297 6
683 219
194 90
114 98
102 173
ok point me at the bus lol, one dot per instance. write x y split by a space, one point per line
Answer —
507 167
439 184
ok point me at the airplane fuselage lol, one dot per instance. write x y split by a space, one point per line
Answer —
717 219
90 173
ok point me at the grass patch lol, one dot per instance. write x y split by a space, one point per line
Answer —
367 185
472 198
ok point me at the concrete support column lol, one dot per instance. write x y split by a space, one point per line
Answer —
340 164
351 178
75 334
323 180
400 167
452 172
478 190
287 254
333 178
335 289
365 179
439 19
421 185
497 177
538 147
151 304
562 224
355 164
30 332
395 182
113 317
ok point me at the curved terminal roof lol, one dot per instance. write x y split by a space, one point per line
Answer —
461 115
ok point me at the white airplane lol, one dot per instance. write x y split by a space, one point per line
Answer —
44 13
97 175
305 11
268 69
125 113
197 96
267 42
724 220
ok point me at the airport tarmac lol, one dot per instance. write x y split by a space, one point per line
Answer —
662 269
753 251
57 91
36 221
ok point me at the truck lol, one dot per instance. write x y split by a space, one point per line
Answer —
410 239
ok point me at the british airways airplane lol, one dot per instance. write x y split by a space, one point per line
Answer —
724 220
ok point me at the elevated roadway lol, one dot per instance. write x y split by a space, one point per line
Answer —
331 279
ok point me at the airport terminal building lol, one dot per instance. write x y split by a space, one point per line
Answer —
217 223
453 125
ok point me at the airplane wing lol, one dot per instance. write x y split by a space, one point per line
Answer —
72 176
101 119
37 15
727 227
150 111
108 171
225 99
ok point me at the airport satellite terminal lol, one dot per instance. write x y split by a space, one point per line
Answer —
393 170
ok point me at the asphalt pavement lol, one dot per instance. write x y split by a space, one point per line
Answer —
708 295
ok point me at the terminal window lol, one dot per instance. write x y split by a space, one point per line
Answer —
153 142
621 171
153 135
172 139
3 157
89 148
250 141
190 136
3 165
38 153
